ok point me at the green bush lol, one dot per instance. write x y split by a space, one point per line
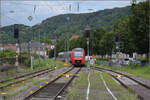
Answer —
143 59
27 62
23 54
134 66
104 59
7 54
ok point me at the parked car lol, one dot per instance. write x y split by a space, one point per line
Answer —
126 61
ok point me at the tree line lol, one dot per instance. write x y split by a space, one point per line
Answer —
133 32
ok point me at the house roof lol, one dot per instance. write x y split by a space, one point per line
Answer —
74 37
10 46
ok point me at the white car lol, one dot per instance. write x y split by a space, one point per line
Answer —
126 62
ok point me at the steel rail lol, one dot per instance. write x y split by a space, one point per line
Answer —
140 83
58 77
40 73
65 86
21 76
123 84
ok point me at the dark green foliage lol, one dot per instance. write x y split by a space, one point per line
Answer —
78 43
27 62
134 30
23 54
139 26
51 53
96 36
103 59
107 43
122 28
7 54
45 40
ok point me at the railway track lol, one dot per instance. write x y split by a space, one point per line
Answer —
54 89
24 75
128 82
22 78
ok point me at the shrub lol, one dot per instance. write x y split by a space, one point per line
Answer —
104 59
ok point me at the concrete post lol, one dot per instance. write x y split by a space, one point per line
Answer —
32 62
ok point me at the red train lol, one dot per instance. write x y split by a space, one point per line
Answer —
78 57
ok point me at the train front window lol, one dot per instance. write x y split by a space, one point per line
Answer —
78 54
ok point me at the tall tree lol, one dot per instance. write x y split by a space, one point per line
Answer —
107 43
125 39
96 36
139 26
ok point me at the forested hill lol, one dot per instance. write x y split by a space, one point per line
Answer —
59 25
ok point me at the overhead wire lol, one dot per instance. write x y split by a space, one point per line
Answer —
28 4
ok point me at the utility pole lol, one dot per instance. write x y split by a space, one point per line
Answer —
55 48
39 48
117 48
66 50
78 7
66 44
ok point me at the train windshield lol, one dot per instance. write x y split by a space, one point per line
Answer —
78 54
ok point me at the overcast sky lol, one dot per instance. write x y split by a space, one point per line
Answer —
18 12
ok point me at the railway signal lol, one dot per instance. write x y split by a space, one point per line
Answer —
87 31
87 35
16 31
117 38
16 36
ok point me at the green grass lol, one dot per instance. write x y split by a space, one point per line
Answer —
45 63
22 87
96 82
80 84
140 71
82 81
97 89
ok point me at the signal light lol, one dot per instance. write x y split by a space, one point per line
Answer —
16 31
87 32
117 38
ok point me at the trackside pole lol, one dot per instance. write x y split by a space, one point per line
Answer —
32 62
88 52
17 53
2 97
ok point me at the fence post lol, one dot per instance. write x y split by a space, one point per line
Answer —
32 62
2 97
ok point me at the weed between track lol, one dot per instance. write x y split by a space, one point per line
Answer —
97 89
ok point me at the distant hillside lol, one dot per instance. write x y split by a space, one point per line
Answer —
60 26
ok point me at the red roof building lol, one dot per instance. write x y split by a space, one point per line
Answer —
74 37
10 46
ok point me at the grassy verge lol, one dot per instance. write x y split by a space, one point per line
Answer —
44 63
78 89
97 89
139 71
22 87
